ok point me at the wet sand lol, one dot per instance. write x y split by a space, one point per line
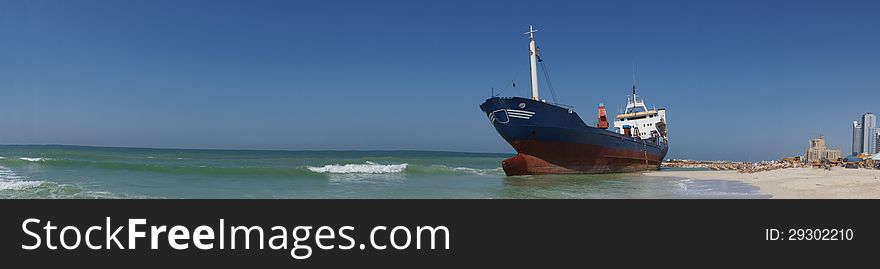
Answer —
795 183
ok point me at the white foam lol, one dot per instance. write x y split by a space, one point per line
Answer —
443 169
6 174
479 172
366 168
10 181
30 159
18 185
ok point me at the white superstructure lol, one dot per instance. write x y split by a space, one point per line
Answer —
642 122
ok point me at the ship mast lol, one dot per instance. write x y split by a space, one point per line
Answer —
634 81
533 59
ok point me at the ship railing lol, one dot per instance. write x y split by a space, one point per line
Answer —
563 105
555 104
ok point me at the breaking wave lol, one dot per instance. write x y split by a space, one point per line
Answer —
447 170
11 181
18 185
15 186
30 159
365 168
375 168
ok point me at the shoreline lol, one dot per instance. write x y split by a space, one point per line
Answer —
798 183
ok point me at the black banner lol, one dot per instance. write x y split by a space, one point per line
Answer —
494 233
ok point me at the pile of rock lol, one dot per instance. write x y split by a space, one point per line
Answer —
769 165
742 167
712 165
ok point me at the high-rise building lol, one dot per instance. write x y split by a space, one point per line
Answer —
869 123
858 140
877 140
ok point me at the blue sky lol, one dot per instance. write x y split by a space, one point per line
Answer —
740 79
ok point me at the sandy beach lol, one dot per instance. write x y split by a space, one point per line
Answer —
794 183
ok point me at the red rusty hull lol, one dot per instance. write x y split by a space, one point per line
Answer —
549 157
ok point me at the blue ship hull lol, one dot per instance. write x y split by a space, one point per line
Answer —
550 139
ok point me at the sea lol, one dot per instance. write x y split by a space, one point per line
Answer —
77 172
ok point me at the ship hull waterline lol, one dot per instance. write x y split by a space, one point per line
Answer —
544 157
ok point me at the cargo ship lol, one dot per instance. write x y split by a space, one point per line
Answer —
551 138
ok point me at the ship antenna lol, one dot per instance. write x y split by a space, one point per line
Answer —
634 78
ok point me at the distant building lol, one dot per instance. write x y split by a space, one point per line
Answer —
858 140
865 135
877 140
869 124
817 151
832 154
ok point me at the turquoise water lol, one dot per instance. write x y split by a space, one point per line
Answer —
100 172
